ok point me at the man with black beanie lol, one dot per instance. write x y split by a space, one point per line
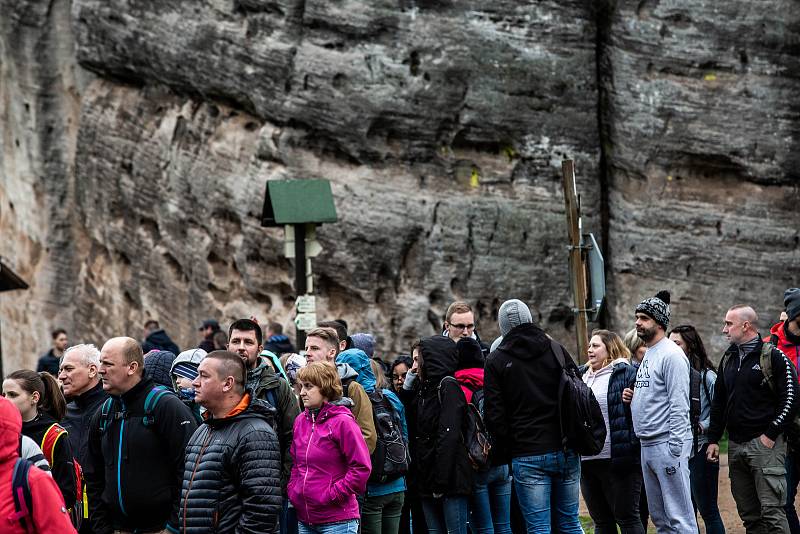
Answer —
660 411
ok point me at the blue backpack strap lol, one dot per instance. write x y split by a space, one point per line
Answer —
23 503
150 403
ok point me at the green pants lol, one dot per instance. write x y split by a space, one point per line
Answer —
381 514
758 484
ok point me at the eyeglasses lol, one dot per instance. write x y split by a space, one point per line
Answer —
462 326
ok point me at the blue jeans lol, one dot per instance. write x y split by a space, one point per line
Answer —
545 483
446 514
339 527
491 502
704 478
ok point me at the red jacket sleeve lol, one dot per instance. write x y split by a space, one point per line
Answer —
49 513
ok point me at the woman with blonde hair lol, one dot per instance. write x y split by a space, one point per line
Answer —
331 459
611 480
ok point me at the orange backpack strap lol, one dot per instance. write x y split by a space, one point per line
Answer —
50 439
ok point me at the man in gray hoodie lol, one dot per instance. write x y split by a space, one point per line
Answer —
660 410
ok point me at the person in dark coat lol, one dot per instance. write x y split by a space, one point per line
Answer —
445 476
155 338
50 359
83 390
136 460
232 478
277 342
209 329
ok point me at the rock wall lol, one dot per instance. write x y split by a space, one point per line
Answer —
138 138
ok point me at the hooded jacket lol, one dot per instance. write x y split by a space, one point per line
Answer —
787 342
331 465
358 360
262 379
63 465
279 344
135 471
231 482
443 465
76 421
159 340
521 394
362 407
157 367
49 513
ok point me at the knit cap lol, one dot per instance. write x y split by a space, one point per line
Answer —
791 299
513 313
187 363
364 342
656 307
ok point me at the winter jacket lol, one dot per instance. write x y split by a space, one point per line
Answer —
80 410
49 513
521 394
135 471
786 341
279 344
48 362
625 448
442 461
262 379
745 404
159 340
362 407
231 482
331 465
63 465
360 362
158 366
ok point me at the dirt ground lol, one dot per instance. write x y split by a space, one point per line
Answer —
727 507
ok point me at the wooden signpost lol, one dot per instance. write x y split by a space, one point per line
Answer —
577 266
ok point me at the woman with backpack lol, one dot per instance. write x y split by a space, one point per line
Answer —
703 475
490 504
39 400
611 480
383 502
445 475
331 460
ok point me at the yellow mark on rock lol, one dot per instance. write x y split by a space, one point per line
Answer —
710 77
474 179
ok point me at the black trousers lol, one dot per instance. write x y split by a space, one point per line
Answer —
612 497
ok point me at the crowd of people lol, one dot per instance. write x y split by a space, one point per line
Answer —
244 434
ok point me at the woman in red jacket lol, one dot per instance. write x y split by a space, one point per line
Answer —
331 460
48 514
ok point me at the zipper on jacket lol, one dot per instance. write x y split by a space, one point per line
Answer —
119 460
305 476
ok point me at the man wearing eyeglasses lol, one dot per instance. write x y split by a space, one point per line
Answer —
460 322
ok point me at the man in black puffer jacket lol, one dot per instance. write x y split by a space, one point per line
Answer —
231 483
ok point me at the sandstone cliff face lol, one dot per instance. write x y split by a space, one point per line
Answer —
147 132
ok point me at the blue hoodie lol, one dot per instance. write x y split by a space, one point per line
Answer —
360 362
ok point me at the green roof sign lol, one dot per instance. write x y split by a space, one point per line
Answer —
298 202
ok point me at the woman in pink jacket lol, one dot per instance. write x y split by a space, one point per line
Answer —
331 459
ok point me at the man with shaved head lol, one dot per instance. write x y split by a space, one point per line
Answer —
137 445
755 398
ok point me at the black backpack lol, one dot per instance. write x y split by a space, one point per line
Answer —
391 458
23 501
473 433
583 429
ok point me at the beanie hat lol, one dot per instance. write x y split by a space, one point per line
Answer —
656 307
513 313
187 362
293 364
364 342
469 353
791 299
157 365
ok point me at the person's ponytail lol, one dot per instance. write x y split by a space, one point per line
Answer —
52 400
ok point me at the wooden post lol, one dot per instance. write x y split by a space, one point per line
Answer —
300 284
577 268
